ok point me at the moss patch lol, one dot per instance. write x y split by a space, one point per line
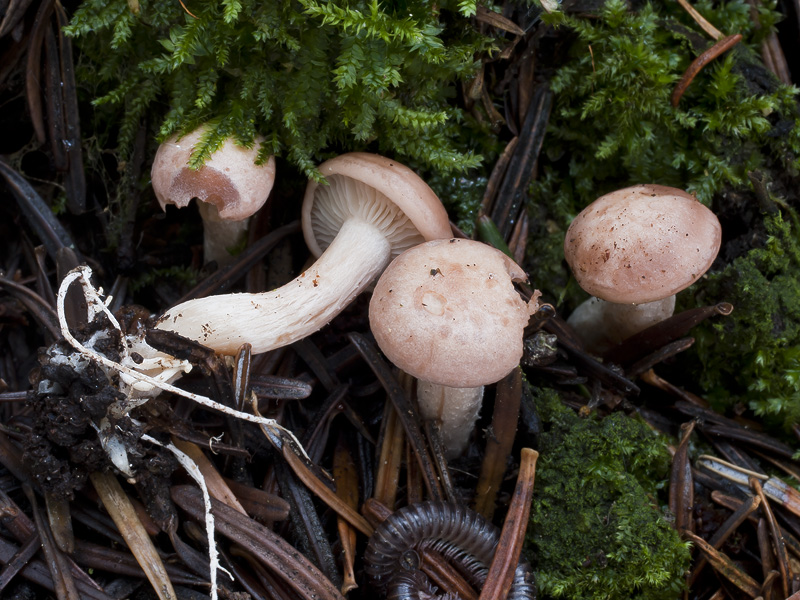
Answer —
597 531
313 77
753 357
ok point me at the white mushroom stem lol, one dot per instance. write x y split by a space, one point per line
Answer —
456 409
269 320
220 235
601 325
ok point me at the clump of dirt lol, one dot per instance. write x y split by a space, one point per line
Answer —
75 404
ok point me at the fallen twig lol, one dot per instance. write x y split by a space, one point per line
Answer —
502 571
701 61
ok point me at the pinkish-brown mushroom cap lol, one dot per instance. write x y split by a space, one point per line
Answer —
354 180
229 180
641 244
447 312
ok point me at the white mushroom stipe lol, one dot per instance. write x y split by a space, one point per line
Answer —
221 236
457 409
270 320
619 321
371 208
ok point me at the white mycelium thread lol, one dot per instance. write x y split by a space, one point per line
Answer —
194 472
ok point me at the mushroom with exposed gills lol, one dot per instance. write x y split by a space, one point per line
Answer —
371 209
447 313
633 250
230 187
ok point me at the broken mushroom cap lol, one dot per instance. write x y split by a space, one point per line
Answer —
641 244
230 187
369 227
446 312
229 180
376 189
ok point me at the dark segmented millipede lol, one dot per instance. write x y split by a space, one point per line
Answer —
463 536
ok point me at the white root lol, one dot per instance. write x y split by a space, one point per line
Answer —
194 472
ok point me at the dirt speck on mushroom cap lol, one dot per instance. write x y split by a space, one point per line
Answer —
447 312
641 244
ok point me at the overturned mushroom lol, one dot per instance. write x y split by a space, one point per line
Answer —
447 313
230 187
371 209
633 250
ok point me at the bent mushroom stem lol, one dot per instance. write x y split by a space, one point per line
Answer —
269 320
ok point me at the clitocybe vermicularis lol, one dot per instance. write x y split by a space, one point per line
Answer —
633 250
370 209
447 313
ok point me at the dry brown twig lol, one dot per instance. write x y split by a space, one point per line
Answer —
701 61
501 571
706 26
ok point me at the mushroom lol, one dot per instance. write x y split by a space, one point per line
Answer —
371 209
230 188
633 250
447 313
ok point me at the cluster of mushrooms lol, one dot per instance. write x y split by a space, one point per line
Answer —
444 309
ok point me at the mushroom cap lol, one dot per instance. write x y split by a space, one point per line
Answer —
641 244
446 312
378 190
229 180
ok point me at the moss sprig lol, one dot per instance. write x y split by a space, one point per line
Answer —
613 106
752 358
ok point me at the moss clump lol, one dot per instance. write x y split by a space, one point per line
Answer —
596 530
753 356
615 118
461 195
312 76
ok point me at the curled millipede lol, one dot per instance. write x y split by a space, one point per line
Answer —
472 569
463 536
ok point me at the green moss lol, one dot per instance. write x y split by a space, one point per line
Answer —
461 195
313 77
615 117
753 356
596 530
